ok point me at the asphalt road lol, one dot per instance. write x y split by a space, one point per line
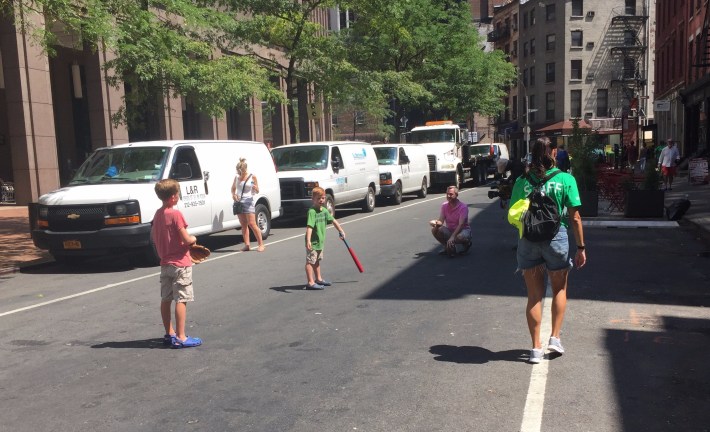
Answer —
419 342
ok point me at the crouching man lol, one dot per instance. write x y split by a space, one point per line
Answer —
452 227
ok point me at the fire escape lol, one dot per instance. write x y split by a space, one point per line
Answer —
703 58
627 26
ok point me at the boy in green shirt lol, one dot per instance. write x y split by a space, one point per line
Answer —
318 218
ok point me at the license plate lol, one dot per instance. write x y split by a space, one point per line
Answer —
72 244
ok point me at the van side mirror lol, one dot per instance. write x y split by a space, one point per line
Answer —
182 171
336 163
403 160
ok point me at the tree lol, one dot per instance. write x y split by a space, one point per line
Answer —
431 54
161 49
301 50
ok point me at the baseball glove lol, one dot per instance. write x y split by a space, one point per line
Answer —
198 253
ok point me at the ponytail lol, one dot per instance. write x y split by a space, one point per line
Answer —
541 160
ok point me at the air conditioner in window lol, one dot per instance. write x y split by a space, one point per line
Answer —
590 76
590 14
590 45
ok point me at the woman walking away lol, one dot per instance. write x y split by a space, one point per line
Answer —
244 188
535 258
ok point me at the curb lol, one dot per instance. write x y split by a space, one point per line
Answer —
18 268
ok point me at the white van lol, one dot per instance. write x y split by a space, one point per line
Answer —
109 205
404 168
347 170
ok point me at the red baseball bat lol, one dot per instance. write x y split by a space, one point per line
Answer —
352 254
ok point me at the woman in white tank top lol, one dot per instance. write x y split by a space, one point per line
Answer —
244 188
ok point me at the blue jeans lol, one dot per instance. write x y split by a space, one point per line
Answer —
554 254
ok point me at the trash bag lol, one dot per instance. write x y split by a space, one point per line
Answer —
677 209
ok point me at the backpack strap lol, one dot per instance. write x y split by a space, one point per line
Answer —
543 181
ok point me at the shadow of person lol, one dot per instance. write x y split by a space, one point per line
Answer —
475 355
289 288
155 343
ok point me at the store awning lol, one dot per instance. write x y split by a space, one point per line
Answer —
560 128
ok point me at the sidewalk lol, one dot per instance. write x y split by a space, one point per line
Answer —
18 251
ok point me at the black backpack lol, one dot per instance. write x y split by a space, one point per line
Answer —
541 222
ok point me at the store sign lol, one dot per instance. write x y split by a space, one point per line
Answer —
698 171
662 105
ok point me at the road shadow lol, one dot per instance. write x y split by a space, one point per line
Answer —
154 343
475 355
288 289
662 377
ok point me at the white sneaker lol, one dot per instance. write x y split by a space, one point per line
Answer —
536 355
555 345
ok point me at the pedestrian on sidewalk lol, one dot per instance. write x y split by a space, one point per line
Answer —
172 242
668 160
316 224
551 257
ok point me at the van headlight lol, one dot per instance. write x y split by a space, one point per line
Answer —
386 178
448 166
309 188
123 213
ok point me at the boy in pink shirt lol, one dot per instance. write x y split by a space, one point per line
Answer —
169 234
452 227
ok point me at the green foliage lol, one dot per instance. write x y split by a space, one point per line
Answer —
584 151
158 49
652 178
435 49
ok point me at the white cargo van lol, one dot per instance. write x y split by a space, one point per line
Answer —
109 205
404 168
347 170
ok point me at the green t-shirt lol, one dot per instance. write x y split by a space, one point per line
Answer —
562 188
318 220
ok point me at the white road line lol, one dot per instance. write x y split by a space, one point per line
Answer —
535 401
117 284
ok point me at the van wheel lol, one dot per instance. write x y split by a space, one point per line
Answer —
422 191
368 204
398 193
330 204
146 257
263 220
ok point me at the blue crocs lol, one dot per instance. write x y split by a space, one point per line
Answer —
168 339
323 283
187 343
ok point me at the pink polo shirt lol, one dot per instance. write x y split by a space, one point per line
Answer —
452 215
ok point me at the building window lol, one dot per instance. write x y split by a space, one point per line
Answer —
532 46
602 102
631 7
577 8
629 38
532 17
550 42
506 114
577 38
525 49
550 106
576 69
532 76
515 48
575 102
515 22
525 77
531 113
514 107
550 12
525 20
550 72
359 117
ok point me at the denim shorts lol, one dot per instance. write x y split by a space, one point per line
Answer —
554 254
